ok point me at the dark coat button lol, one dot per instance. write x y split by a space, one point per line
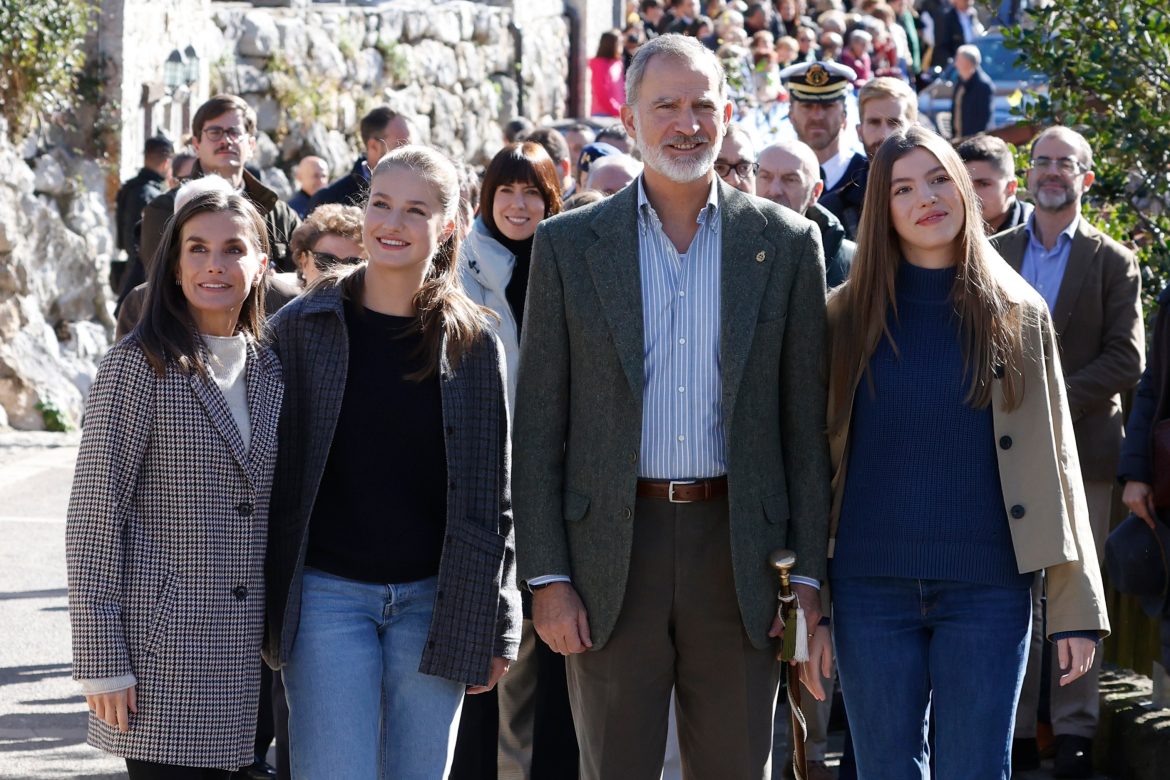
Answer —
1005 442
452 486
633 457
244 509
1018 511
450 429
240 592
627 513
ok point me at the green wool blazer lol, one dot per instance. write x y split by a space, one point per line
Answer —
578 420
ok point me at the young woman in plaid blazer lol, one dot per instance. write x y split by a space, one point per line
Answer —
391 556
167 522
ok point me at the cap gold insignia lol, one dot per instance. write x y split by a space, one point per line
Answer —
760 257
817 76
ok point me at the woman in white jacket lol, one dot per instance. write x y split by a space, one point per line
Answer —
520 188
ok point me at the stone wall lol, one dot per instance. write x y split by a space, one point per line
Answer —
312 72
55 248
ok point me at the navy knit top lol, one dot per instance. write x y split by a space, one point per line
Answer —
922 493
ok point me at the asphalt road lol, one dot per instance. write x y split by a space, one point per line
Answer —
42 716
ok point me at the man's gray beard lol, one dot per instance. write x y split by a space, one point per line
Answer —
680 171
1047 202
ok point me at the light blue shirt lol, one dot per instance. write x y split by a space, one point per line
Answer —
1044 269
683 433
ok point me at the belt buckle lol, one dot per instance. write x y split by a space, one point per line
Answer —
670 490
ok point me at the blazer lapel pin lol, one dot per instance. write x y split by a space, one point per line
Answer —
760 257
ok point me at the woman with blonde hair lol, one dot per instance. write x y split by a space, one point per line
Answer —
955 478
391 562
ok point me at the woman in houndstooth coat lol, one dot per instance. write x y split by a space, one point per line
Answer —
167 522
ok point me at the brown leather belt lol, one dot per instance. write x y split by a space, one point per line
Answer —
683 491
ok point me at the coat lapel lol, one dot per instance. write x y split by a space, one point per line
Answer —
265 392
1080 256
215 405
613 264
745 267
324 371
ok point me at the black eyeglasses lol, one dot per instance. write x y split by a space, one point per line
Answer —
217 133
1069 165
743 169
326 260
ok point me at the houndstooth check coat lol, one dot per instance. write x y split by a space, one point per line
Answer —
477 609
165 540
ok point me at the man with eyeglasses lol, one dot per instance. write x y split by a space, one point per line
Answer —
223 131
736 163
1092 287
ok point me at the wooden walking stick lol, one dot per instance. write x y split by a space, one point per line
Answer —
793 648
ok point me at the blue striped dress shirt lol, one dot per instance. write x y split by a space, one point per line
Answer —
1044 269
683 430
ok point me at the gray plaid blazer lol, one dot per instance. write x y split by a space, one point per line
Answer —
477 613
164 541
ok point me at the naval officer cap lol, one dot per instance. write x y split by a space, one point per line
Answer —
818 82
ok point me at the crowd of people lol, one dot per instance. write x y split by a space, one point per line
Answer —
488 468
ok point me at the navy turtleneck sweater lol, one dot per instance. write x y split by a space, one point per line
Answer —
922 493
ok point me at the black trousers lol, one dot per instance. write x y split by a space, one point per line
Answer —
145 770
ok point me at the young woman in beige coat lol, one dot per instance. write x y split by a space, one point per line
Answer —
955 478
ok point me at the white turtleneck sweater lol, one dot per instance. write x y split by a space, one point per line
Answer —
229 357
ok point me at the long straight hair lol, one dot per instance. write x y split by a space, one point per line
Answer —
989 320
444 310
167 332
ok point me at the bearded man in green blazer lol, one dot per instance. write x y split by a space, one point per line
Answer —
670 433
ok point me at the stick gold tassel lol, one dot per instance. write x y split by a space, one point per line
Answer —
793 648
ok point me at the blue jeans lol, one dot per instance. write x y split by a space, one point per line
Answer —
909 650
358 706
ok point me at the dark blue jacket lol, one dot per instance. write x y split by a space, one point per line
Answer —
1151 403
973 104
349 190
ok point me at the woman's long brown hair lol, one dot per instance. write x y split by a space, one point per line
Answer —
443 309
989 321
167 333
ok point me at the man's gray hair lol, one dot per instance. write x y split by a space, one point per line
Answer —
970 52
672 45
1084 151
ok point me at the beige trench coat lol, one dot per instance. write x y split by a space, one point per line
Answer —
1039 470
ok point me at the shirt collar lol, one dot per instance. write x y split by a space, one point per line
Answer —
1070 231
707 215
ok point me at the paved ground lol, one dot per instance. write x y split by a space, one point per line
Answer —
42 717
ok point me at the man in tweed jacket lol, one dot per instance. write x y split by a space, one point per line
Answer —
669 434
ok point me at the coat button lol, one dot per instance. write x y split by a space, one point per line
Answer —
243 509
240 592
450 429
1005 442
633 457
1018 511
627 513
451 486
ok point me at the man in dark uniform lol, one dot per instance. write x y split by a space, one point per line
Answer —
135 193
818 92
382 130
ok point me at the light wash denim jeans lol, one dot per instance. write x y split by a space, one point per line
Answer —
358 706
908 650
